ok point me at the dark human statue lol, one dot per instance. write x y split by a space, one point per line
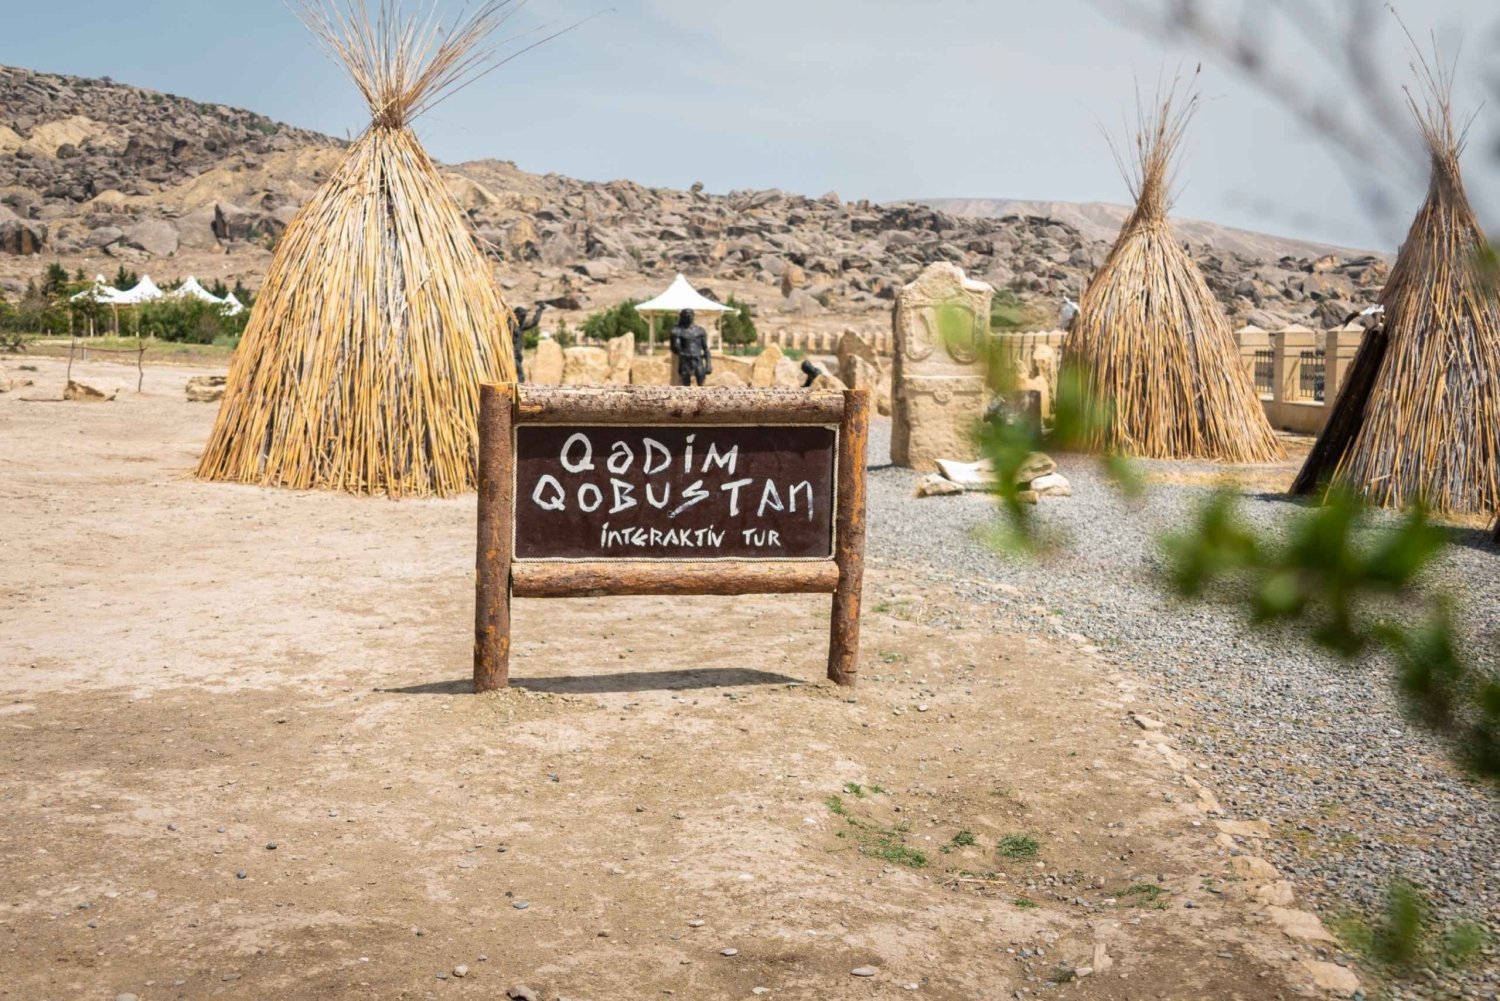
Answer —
522 325
690 345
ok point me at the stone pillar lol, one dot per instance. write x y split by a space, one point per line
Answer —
938 392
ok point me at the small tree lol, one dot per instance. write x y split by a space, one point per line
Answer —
738 328
125 279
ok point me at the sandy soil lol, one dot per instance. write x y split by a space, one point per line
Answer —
238 758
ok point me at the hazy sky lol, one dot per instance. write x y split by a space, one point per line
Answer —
872 98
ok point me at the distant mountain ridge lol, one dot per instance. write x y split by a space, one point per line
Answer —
1102 221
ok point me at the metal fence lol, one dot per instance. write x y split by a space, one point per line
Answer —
1310 375
1265 369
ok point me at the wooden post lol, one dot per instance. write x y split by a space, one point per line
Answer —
496 542
140 364
849 545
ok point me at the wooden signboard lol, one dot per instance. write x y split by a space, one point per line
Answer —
671 490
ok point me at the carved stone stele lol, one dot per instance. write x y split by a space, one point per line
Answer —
938 392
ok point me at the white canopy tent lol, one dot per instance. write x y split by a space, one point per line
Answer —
101 291
146 291
191 288
679 296
232 305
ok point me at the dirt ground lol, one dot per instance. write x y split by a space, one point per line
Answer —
238 758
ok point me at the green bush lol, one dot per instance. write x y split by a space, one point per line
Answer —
189 321
610 323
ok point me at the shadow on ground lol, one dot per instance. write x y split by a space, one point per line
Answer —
628 681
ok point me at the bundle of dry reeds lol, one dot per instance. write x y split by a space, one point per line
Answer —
1428 423
1154 351
379 318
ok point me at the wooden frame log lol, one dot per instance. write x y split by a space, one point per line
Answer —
498 577
675 405
610 577
496 540
849 548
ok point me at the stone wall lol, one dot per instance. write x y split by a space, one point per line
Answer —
1301 369
826 342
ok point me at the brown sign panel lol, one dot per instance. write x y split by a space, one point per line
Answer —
699 492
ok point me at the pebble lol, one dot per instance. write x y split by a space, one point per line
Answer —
696 923
240 874
521 992
729 952
520 905
460 970
862 971
270 846
171 827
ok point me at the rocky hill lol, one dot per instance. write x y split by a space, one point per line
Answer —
98 173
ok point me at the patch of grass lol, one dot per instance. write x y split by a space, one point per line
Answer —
1063 974
882 607
858 791
1003 792
876 840
963 839
887 846
1018 846
1144 895
1025 903
891 656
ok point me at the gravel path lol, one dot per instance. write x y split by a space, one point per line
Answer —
1355 794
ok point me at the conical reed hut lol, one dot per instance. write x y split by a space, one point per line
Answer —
1153 350
379 318
1418 420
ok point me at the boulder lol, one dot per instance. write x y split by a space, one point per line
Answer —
792 278
84 393
1340 981
20 237
235 222
937 485
800 303
721 377
548 367
742 367
105 236
7 383
206 388
156 237
585 366
763 369
196 230
788 374
1051 485
621 350
1037 465
851 347
655 370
